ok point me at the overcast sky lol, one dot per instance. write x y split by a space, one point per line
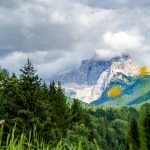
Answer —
57 34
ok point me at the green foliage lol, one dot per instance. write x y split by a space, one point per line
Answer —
77 112
60 113
144 123
44 120
133 135
26 102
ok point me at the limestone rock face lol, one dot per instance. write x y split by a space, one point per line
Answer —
127 67
87 74
93 76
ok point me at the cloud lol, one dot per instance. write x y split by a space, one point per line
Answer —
113 4
58 34
48 63
107 53
122 40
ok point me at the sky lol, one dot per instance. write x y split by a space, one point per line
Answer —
57 34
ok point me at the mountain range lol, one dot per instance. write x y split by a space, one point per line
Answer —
91 81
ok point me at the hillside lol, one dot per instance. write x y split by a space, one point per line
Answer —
134 91
36 116
88 82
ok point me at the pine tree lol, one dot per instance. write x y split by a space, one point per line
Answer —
60 112
63 110
133 135
144 123
30 84
44 92
34 109
77 112
52 92
4 77
25 102
11 96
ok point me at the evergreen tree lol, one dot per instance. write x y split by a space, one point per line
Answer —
144 123
4 77
29 87
30 84
133 135
60 114
36 110
63 110
77 112
44 92
24 101
52 92
11 96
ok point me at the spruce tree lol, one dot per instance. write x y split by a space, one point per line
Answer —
4 76
52 92
30 83
34 108
60 114
77 112
144 122
133 135
11 96
63 110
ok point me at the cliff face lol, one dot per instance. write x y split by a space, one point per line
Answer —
93 76
87 74
126 66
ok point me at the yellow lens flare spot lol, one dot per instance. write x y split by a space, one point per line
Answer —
114 91
143 71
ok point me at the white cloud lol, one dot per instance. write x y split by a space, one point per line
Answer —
122 40
58 17
107 53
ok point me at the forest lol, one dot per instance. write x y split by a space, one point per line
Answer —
35 115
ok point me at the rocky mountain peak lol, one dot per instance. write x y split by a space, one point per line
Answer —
89 81
87 74
125 65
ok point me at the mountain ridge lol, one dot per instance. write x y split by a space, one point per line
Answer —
135 92
88 82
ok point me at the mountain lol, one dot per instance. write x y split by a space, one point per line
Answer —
87 74
88 82
135 90
124 65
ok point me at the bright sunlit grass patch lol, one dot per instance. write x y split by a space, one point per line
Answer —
144 70
114 91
